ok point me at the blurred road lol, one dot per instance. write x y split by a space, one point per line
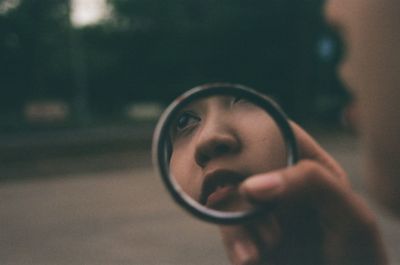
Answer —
109 207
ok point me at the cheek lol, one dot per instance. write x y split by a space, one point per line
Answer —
185 171
271 152
265 148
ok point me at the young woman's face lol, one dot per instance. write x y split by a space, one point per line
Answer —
371 70
219 141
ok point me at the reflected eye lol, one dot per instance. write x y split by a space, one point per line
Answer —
242 103
186 120
238 99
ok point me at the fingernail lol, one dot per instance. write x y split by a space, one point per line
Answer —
268 185
245 253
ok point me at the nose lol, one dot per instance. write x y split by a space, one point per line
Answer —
215 140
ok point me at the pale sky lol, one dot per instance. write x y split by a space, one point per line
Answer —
83 13
86 12
7 5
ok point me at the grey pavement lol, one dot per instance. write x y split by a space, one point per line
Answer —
109 207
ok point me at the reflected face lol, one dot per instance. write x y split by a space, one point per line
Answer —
371 70
219 141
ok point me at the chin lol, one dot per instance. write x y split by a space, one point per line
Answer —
385 190
389 202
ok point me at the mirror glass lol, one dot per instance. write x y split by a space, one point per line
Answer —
216 143
207 144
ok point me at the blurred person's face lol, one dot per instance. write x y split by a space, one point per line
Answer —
371 70
227 138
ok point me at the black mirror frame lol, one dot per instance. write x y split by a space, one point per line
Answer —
161 160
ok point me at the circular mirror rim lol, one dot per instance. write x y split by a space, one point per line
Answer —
161 160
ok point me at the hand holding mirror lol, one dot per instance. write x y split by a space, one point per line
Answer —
212 138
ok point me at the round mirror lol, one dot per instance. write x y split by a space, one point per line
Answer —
212 138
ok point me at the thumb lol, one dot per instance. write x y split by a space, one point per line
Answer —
306 182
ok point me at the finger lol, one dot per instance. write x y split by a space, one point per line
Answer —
306 182
269 232
310 149
254 242
240 245
344 217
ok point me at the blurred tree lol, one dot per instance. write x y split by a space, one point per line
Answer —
155 49
162 48
34 61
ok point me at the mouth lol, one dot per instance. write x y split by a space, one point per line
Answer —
219 186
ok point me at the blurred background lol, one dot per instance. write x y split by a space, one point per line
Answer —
82 83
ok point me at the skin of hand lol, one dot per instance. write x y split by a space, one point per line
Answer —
317 218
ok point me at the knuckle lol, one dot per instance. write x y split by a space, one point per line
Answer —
314 176
311 169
